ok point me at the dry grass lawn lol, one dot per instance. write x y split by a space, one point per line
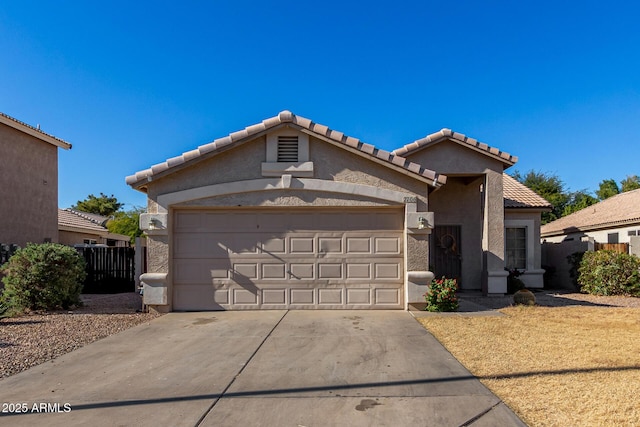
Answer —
554 366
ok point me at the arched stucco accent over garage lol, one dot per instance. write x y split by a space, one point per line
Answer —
285 182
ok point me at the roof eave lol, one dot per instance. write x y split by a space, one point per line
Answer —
530 208
32 131
591 227
507 159
140 180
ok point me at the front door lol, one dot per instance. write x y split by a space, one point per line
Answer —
446 258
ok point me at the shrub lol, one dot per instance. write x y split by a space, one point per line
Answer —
574 261
43 277
524 297
514 283
441 295
609 273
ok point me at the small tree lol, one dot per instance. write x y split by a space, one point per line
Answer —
103 205
127 223
549 187
43 277
578 201
607 188
631 182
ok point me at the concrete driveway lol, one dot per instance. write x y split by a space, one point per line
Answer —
267 368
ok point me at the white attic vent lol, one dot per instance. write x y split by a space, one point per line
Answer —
287 154
287 148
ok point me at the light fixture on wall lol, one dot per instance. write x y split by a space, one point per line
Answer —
154 224
422 223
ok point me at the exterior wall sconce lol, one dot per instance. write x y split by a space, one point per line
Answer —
422 223
154 224
419 222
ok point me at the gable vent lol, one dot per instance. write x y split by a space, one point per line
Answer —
287 148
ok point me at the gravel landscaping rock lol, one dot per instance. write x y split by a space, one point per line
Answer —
33 339
553 298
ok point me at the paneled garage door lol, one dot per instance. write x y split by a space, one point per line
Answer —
275 259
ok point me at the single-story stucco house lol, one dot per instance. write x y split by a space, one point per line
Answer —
82 228
613 220
288 213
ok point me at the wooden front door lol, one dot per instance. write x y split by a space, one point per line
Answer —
446 258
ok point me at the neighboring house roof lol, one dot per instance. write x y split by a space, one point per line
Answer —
448 134
286 117
619 210
95 218
518 195
68 218
82 222
33 131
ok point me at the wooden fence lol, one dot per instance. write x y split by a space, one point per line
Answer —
109 270
616 247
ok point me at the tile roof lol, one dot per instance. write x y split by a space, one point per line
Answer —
75 219
462 139
518 195
621 209
33 131
367 150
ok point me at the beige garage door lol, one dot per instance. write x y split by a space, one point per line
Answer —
275 259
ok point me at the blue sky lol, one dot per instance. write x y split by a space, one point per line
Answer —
131 84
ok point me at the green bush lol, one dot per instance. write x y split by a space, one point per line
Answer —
609 273
441 295
574 261
44 276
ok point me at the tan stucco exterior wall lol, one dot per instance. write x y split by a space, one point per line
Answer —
458 203
71 238
533 217
243 163
29 180
472 198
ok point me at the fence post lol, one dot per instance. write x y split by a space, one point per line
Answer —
140 261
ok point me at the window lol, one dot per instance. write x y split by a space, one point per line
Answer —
632 233
612 238
90 242
516 247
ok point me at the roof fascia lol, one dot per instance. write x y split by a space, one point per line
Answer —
593 227
433 182
141 185
31 131
444 137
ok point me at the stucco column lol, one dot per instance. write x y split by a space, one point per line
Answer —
418 229
494 280
156 290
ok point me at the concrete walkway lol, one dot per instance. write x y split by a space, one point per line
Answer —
267 368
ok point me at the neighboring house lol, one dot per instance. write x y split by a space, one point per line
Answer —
613 220
28 183
288 213
82 228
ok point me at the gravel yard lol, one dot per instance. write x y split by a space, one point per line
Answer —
28 341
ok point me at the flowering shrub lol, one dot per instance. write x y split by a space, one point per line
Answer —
441 295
